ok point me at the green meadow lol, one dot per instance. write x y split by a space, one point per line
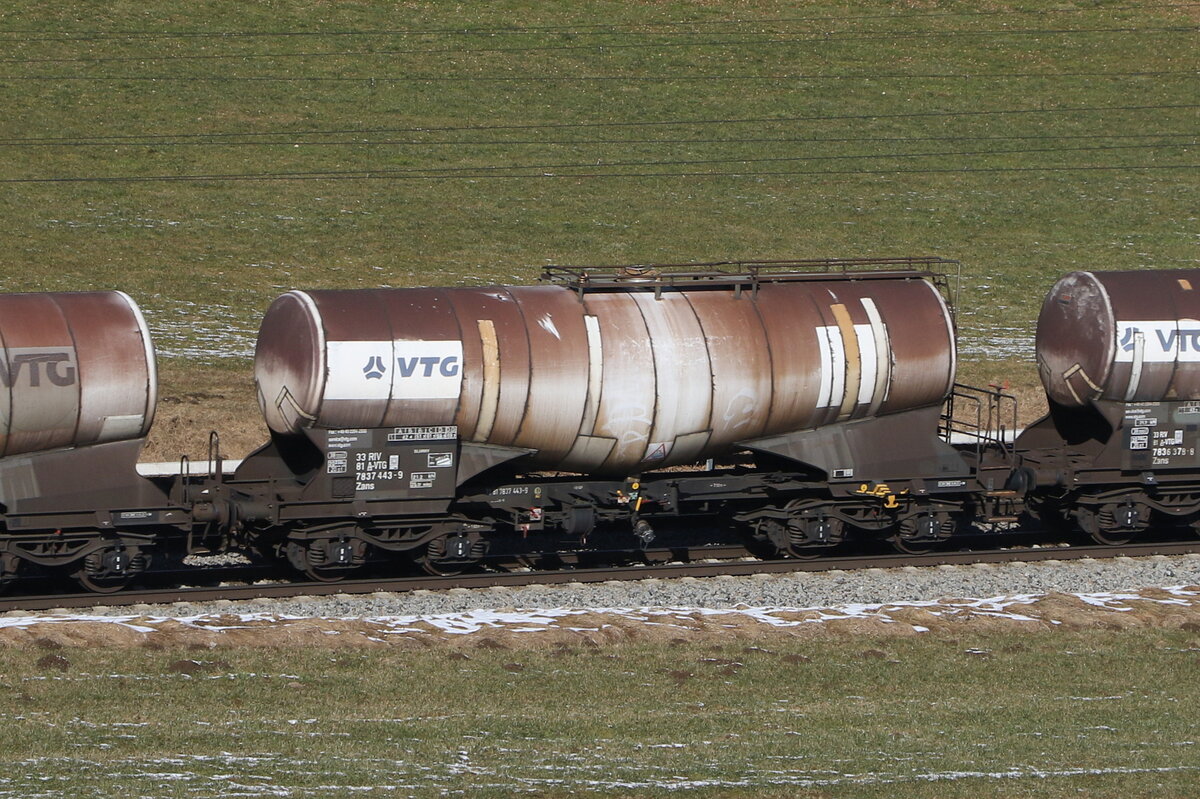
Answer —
208 156
1052 714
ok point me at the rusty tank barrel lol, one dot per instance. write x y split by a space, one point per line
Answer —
1122 336
614 379
77 369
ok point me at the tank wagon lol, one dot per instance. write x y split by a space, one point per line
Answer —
1119 357
79 394
612 377
420 400
78 369
788 406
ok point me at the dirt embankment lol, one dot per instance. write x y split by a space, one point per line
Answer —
1177 608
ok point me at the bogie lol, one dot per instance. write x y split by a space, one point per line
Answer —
110 569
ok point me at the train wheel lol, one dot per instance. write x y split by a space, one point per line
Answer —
9 566
920 535
1056 520
449 555
1114 539
813 534
102 585
765 539
326 560
908 546
436 568
325 576
806 534
1114 524
810 553
109 570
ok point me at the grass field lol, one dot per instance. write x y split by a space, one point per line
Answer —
206 158
1035 715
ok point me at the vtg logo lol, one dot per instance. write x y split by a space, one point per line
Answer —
55 367
1127 342
374 370
413 367
1158 341
1168 340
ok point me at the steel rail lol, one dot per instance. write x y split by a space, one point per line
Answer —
722 568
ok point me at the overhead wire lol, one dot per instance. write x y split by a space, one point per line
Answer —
152 142
579 28
542 170
777 159
217 136
258 137
383 175
650 123
823 38
372 79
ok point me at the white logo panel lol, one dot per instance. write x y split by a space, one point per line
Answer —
1158 341
382 370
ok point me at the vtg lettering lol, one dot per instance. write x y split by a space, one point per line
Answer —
1185 339
55 366
446 367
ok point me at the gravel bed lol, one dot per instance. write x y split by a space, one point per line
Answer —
800 590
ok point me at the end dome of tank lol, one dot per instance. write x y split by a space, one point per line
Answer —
77 369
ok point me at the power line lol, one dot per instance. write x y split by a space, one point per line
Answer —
151 142
819 38
586 29
790 159
642 123
369 79
779 159
479 171
383 175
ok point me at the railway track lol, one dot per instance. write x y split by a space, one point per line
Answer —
717 563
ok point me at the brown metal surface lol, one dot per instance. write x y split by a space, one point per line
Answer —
741 362
77 369
494 342
620 410
558 375
615 380
919 342
1122 336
